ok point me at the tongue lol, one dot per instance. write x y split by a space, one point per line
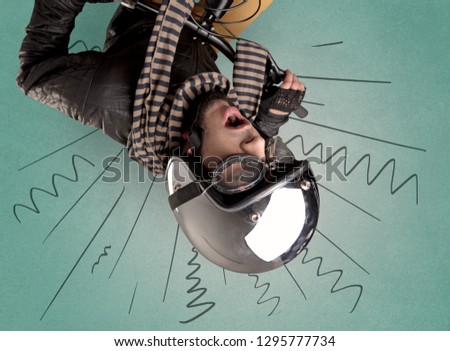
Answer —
233 122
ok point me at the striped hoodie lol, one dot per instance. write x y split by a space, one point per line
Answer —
156 130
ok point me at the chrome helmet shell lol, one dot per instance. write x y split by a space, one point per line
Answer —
251 232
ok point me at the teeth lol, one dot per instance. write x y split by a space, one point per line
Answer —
233 121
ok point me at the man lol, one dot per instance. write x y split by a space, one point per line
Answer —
157 90
98 88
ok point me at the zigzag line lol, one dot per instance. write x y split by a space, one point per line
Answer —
260 301
99 257
339 271
366 156
193 289
55 193
85 46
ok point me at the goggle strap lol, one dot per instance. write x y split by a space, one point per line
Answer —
184 194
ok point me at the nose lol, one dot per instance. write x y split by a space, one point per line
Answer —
254 146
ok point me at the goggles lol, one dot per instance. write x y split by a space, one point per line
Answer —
241 172
238 181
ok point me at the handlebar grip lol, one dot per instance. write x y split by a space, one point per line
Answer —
275 73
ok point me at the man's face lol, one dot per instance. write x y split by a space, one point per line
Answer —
226 132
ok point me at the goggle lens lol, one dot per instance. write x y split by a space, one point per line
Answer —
238 173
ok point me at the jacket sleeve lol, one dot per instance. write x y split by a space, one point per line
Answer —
44 49
67 82
96 88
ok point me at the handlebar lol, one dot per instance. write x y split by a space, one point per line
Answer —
275 73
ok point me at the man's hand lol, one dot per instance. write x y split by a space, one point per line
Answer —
291 81
289 96
275 108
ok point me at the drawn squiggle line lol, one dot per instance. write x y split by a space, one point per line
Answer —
369 181
340 272
104 253
55 193
96 48
194 289
260 300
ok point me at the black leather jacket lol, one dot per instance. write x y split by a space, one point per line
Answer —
97 88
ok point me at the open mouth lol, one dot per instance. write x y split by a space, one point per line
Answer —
234 119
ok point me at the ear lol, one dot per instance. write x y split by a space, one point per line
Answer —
194 138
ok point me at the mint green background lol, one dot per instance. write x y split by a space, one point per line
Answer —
401 248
